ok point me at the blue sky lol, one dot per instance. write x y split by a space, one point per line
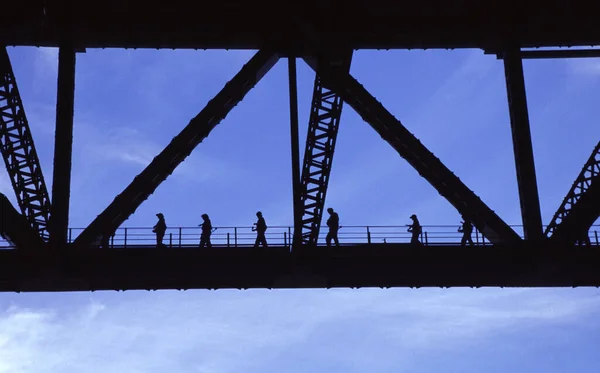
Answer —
129 105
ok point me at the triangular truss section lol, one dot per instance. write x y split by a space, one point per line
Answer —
182 145
581 207
420 158
19 153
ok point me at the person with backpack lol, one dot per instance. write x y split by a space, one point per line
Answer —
260 227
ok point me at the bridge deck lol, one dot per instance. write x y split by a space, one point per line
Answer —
376 265
358 24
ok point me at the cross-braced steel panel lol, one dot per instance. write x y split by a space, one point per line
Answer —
326 111
582 187
422 160
19 153
182 145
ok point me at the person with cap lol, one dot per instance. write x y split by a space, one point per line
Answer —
415 229
160 228
467 230
334 225
206 231
260 227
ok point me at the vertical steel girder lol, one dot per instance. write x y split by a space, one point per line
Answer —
19 153
178 149
295 149
324 121
63 145
523 149
418 156
581 207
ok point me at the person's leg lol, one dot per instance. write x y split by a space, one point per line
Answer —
263 240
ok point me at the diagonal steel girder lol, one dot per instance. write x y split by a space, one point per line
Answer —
15 228
418 156
18 150
323 126
581 206
182 145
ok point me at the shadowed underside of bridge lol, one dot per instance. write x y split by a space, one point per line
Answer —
394 265
236 24
324 33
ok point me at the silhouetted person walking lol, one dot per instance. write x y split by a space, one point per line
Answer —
467 230
160 228
260 227
415 229
334 225
206 231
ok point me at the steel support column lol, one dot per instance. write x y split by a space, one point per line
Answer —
182 145
19 154
421 159
323 126
523 149
296 238
63 144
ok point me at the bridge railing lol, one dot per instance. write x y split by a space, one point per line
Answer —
281 236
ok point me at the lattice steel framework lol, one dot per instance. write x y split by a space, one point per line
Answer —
324 121
578 194
19 153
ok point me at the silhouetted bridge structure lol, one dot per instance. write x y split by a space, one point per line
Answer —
324 35
281 236
373 256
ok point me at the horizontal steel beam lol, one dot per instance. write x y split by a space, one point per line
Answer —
357 24
550 54
360 266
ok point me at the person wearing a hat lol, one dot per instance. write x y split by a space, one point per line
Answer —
206 231
466 229
415 229
260 227
334 225
160 229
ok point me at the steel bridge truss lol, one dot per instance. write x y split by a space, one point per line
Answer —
333 85
581 206
419 157
324 121
182 145
18 151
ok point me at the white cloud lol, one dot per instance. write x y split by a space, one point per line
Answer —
229 331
